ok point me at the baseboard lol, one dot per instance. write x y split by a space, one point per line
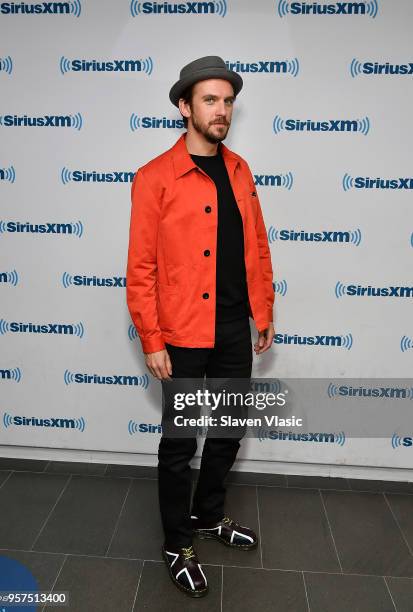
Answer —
241 465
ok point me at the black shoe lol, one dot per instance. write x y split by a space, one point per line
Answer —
227 531
185 570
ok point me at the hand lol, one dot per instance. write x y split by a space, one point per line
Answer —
265 339
159 364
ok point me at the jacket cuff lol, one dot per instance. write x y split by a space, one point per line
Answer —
152 344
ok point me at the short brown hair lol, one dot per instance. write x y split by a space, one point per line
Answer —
187 96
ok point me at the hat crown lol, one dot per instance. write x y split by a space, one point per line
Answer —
208 67
203 63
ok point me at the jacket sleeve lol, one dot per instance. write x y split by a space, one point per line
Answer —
264 253
141 290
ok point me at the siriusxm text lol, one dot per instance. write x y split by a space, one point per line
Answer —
337 8
50 8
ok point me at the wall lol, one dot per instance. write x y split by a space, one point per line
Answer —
298 65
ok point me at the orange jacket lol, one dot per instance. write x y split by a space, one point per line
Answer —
170 284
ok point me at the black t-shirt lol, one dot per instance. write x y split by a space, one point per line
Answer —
231 283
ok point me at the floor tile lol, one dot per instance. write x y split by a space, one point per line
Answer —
29 498
85 517
366 535
401 590
264 590
340 593
44 567
157 593
3 476
402 508
25 465
391 486
139 533
294 530
241 505
132 471
317 482
97 584
75 467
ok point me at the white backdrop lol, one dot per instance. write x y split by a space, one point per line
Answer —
84 102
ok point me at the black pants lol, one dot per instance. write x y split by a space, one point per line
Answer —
230 357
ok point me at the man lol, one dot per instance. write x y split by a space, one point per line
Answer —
198 266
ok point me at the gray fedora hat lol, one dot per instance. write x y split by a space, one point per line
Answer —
209 67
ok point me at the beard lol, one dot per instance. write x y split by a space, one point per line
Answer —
207 133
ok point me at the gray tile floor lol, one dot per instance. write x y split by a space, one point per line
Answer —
326 544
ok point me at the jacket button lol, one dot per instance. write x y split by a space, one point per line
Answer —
205 296
207 252
208 209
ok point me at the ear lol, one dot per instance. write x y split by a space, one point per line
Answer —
184 108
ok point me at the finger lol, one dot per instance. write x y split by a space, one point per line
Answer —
168 364
164 373
157 372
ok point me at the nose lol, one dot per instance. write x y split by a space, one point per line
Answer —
221 110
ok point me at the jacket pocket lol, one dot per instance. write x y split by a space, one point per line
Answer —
168 306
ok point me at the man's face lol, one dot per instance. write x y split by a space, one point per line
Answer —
211 109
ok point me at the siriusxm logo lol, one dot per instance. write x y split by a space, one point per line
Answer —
397 441
72 7
56 121
266 66
65 329
216 7
8 174
375 68
11 278
280 287
135 123
16 227
274 180
83 176
79 280
115 379
13 374
6 64
77 423
359 291
332 125
365 182
287 7
341 341
132 333
134 428
350 236
387 392
406 344
121 65
273 434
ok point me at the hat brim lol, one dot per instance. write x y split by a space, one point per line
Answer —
208 73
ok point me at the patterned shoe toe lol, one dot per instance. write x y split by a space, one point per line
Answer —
185 570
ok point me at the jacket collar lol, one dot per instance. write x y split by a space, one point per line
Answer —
183 162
